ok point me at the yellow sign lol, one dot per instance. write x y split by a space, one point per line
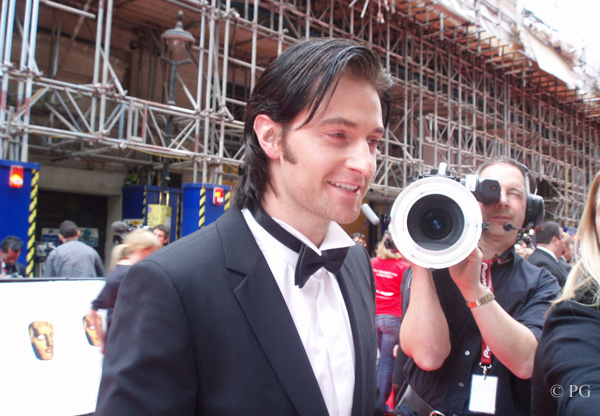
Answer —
159 214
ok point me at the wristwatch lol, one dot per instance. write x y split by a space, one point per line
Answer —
489 296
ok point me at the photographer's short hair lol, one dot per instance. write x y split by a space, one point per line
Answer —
547 231
13 243
509 161
68 229
162 228
303 77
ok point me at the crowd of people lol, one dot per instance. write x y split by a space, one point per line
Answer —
72 257
274 309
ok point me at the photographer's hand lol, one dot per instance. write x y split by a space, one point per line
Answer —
467 276
510 341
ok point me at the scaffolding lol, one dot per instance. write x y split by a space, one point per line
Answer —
464 90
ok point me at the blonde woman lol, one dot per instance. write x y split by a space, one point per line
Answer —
137 245
566 376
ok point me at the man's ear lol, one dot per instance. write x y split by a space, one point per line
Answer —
269 135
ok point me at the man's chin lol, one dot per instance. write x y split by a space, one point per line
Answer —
347 217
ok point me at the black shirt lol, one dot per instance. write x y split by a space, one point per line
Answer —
524 291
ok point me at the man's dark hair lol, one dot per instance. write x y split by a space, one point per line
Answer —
302 77
13 243
358 235
68 229
546 231
162 228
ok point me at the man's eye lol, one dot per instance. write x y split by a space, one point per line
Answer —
375 143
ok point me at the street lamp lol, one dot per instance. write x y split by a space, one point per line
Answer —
175 42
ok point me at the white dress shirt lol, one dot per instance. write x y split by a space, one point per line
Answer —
318 311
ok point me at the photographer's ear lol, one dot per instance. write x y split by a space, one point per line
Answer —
269 134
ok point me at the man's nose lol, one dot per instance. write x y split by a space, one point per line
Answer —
502 199
361 159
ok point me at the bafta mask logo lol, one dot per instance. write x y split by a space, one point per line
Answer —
41 334
92 324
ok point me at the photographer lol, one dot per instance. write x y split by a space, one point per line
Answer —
451 311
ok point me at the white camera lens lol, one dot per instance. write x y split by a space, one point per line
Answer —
436 222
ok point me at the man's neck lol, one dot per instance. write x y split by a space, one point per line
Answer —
492 246
313 230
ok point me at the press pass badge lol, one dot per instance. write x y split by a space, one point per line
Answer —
483 394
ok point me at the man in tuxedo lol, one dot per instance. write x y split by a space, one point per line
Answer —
269 310
549 247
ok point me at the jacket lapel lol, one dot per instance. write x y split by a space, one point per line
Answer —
359 299
266 311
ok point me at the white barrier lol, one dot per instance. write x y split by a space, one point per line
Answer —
48 316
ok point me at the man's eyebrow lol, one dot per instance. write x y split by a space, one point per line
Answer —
346 122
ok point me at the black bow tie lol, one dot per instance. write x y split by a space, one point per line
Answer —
308 260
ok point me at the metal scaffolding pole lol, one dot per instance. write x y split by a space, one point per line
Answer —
462 95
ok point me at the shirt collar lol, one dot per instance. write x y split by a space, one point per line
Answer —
547 251
507 256
335 237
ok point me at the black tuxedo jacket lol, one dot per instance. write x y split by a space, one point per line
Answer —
201 328
542 259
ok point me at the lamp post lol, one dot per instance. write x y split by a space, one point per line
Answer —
176 42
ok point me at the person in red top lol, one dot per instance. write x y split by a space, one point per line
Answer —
388 268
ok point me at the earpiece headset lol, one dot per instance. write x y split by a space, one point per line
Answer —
534 213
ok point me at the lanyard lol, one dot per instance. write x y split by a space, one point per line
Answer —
486 280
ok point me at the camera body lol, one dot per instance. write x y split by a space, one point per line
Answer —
120 230
437 220
486 191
